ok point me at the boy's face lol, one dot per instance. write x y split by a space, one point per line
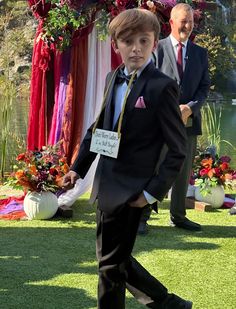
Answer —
136 49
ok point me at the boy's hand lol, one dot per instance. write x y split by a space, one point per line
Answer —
140 202
68 181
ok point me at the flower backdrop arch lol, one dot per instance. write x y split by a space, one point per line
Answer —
67 19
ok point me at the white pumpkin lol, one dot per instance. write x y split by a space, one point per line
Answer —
40 205
215 198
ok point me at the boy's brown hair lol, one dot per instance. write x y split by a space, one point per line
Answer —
132 21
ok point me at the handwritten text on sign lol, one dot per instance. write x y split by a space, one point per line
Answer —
105 142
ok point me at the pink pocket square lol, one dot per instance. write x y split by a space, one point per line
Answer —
140 103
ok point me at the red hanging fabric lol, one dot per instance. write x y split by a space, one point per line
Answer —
37 127
39 8
75 99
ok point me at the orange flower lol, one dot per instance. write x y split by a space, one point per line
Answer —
228 176
65 168
33 169
59 181
207 163
19 174
211 173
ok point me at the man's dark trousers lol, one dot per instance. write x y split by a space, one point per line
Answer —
180 186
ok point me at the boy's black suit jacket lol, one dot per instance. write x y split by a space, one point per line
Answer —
143 133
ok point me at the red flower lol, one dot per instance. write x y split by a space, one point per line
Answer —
120 3
20 157
204 171
224 166
217 171
53 171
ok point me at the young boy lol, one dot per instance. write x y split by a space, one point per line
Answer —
135 122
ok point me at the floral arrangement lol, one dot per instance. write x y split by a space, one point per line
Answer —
39 170
67 19
211 170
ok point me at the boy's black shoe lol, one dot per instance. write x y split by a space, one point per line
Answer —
173 301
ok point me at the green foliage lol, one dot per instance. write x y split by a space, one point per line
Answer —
61 23
13 46
101 24
222 58
7 95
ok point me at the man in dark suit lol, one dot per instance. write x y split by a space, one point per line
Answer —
142 117
187 63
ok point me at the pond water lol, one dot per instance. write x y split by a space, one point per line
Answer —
228 131
20 119
227 128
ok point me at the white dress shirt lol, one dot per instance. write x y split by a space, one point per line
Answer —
175 44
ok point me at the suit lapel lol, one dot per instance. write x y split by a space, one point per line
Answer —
139 85
172 58
137 89
189 61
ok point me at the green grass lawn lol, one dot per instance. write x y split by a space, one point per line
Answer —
52 264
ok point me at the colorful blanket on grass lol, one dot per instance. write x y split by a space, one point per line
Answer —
11 208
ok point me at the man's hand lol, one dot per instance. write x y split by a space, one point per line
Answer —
68 181
186 112
140 202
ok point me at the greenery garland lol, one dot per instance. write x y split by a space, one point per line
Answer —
67 18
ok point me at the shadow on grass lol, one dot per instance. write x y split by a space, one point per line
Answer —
29 256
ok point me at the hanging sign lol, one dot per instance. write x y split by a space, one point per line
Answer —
105 142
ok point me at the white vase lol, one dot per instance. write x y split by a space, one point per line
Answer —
40 205
190 191
215 198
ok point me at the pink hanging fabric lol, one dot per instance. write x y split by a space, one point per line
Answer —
57 74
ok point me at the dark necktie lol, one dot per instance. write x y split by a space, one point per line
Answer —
180 59
121 77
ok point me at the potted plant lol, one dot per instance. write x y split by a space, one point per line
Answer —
39 174
212 174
